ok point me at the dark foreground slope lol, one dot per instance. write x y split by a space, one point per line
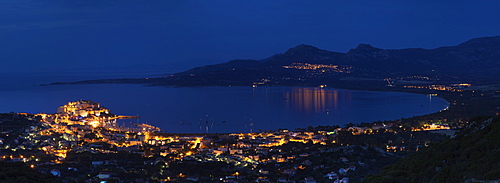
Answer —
473 154
18 172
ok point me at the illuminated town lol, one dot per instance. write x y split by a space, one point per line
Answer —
452 87
320 67
83 136
232 91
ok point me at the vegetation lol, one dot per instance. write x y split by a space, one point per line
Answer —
19 172
471 155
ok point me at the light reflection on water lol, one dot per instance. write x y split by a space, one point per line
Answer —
225 109
314 100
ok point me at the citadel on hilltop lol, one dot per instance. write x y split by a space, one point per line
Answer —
84 112
83 108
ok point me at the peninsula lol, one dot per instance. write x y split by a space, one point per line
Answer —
472 64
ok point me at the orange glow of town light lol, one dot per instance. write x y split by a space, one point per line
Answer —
196 142
61 153
94 124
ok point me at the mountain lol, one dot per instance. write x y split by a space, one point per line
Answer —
234 64
305 53
475 61
470 156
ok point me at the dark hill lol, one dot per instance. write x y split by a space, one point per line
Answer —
234 64
476 61
473 154
305 54
470 60
11 172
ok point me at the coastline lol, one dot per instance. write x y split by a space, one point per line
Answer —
356 88
392 142
463 105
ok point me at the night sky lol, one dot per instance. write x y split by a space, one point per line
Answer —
174 35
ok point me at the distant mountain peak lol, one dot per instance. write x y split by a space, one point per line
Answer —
303 48
366 47
493 41
366 51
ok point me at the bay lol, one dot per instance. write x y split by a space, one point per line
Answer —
216 109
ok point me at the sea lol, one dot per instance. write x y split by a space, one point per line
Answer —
211 109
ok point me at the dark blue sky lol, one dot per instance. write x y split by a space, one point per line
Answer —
66 35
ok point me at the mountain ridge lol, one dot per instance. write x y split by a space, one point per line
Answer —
478 49
474 61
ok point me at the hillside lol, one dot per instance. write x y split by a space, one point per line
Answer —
476 61
470 61
469 156
13 172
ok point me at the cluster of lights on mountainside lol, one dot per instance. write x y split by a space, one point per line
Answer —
320 67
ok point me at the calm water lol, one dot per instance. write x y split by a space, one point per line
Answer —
216 109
